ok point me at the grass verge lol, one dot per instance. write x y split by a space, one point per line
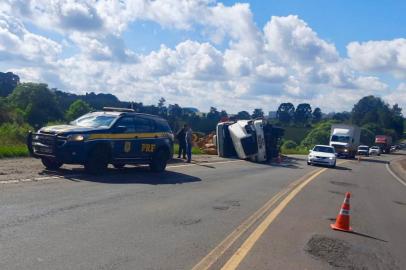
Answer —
13 151
195 150
295 151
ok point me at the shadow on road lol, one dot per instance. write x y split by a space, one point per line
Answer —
368 236
374 161
342 168
130 175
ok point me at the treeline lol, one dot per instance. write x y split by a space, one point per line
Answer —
25 106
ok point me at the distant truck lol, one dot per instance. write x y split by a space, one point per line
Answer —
345 139
384 142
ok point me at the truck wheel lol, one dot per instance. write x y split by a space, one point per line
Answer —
97 160
159 160
118 165
51 163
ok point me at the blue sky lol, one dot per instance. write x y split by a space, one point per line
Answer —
337 21
202 53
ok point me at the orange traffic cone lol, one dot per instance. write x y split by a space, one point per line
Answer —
343 218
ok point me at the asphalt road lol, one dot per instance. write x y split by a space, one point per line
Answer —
231 214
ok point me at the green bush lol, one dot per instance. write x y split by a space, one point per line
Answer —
289 144
13 134
319 135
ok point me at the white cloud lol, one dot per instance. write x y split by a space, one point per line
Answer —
382 56
292 40
285 61
18 44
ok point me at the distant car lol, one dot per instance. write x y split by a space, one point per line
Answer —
393 148
363 150
375 150
323 155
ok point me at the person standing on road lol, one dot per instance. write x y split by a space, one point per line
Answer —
181 135
189 141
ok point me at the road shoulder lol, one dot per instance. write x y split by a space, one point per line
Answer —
398 167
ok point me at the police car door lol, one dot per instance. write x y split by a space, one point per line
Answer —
125 140
147 138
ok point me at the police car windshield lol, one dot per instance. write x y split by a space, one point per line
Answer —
95 121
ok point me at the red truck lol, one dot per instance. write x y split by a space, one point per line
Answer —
384 142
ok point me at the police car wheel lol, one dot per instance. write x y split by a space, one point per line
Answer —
159 161
97 161
118 165
51 164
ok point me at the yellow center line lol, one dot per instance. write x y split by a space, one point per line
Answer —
242 252
221 248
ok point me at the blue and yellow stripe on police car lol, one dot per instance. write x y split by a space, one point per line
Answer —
113 136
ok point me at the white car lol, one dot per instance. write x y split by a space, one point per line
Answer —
375 150
323 155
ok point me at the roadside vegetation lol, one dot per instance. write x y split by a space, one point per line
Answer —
30 106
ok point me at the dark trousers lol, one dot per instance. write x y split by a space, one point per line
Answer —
182 150
189 151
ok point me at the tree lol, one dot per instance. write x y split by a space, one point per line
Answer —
257 113
37 102
303 113
213 114
285 112
8 81
161 107
342 116
174 111
371 109
77 109
317 115
243 115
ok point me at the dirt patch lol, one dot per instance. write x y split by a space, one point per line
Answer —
191 221
343 184
222 208
232 203
341 254
403 164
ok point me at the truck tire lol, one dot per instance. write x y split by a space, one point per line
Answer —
51 163
159 160
97 160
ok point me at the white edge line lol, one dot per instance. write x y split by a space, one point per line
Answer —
394 175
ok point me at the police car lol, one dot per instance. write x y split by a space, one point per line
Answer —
113 136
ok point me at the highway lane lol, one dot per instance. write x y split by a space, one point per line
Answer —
134 219
301 237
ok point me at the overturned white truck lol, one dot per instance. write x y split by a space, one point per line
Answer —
256 140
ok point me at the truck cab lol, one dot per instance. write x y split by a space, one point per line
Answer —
113 136
345 139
